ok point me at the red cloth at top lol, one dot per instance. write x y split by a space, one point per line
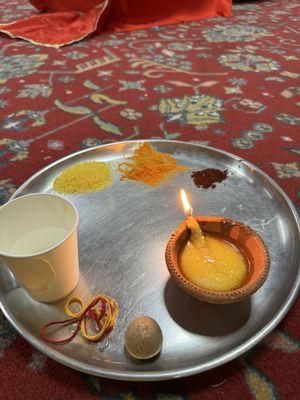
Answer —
67 21
134 14
65 5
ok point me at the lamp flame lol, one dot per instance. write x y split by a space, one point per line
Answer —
185 203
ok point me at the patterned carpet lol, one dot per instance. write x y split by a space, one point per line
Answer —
231 83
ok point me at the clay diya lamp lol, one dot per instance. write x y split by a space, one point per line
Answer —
242 237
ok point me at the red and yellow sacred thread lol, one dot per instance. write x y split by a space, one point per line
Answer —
101 310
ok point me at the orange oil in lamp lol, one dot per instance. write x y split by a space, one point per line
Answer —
208 261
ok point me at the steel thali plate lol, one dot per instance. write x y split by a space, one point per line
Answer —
123 231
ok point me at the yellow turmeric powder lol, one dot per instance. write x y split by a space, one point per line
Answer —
149 166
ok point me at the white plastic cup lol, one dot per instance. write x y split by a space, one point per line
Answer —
38 241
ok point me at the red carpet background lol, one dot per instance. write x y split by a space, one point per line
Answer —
230 83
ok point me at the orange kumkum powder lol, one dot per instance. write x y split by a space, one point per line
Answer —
149 166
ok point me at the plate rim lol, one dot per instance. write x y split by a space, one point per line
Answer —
175 373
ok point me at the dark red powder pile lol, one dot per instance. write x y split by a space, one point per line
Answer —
207 178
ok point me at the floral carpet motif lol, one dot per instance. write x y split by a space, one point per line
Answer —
230 83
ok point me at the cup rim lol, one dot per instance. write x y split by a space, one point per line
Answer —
39 253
